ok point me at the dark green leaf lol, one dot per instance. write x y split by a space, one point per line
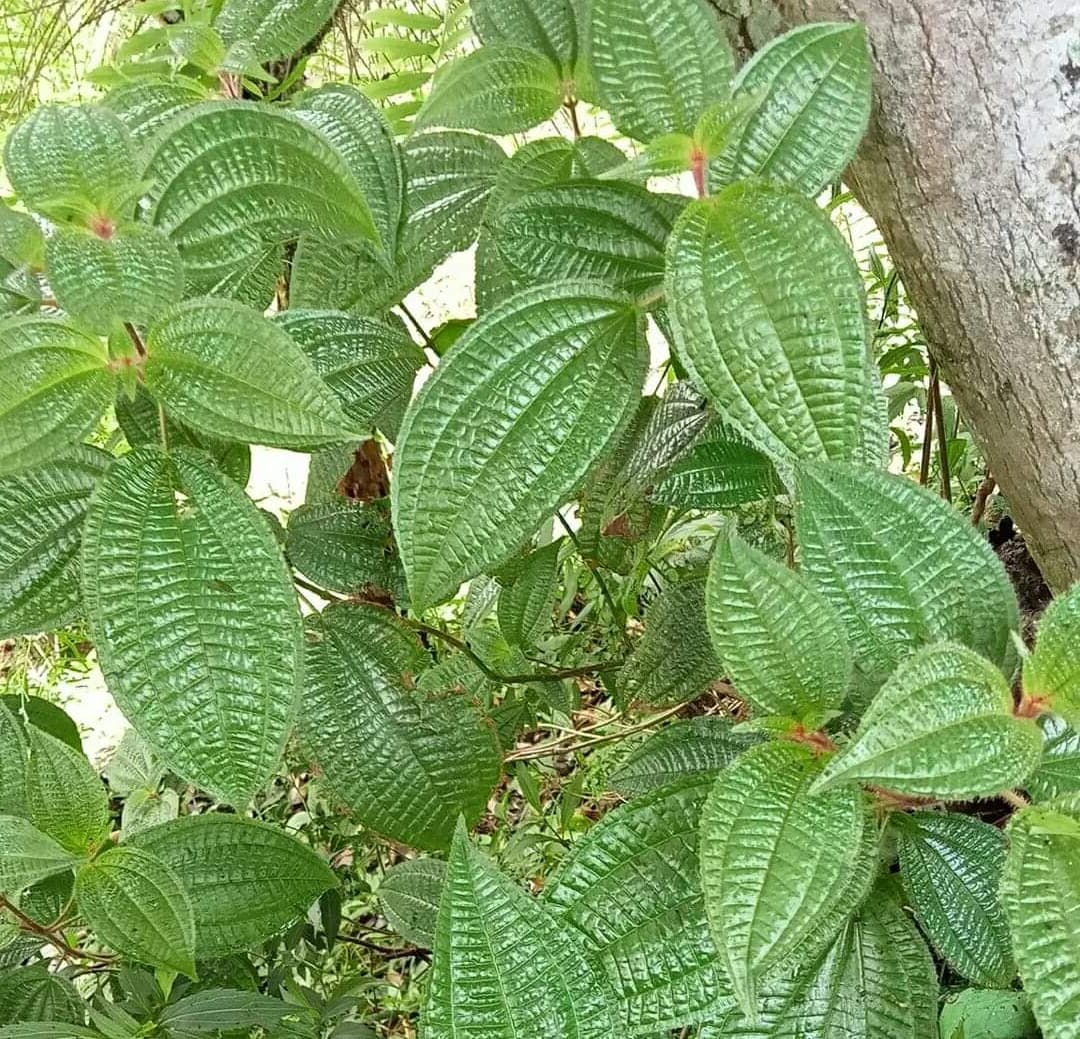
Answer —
722 471
35 994
545 26
228 1010
525 604
257 31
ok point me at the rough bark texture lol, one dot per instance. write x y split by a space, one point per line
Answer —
971 169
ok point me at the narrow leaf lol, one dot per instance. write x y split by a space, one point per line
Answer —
229 1010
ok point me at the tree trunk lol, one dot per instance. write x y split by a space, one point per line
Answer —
971 169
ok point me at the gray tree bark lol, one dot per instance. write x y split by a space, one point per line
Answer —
971 169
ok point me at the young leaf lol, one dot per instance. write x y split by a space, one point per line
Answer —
217 1010
41 515
722 471
56 386
194 618
525 604
780 866
35 994
498 89
658 64
502 966
245 880
549 378
941 727
406 763
769 317
27 856
811 89
136 905
901 568
545 26
951 867
228 371
257 31
1052 671
776 637
410 893
21 242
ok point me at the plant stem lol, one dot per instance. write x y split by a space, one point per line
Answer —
1015 798
617 615
135 338
982 495
943 436
31 926
928 432
428 341
559 746
571 107
163 428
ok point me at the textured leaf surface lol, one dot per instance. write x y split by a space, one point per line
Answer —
812 88
548 27
631 888
228 371
901 568
503 966
719 472
41 515
136 905
658 64
997 1013
147 105
410 893
27 855
941 727
35 994
245 880
525 604
1059 768
508 426
14 753
1052 671
1041 894
228 1010
256 31
194 618
777 638
496 89
951 866
680 418
779 867
769 317
56 386
406 763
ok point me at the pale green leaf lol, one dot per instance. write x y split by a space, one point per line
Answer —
36 994
137 905
777 638
133 766
811 88
21 242
941 727
1052 671
147 105
509 424
246 880
1059 768
721 471
257 31
769 316
993 1013
228 1010
545 26
27 855
525 605
680 419
402 17
395 48
14 753
194 618
410 893
145 808
56 386
47 1030
394 85
405 762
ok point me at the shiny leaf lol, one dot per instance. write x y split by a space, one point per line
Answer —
1059 768
545 26
147 105
410 893
14 753
525 604
719 472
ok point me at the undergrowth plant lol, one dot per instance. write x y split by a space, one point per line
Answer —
852 812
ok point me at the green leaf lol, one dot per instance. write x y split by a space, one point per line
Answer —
27 855
722 471
47 1030
21 242
136 905
502 966
41 515
901 567
498 89
42 715
194 618
550 377
56 386
525 605
394 48
395 84
812 91
64 796
35 994
404 18
257 31
769 317
592 229
631 889
1052 671
992 1013
1059 768
674 659
545 26
951 867
131 276
228 371
72 160
228 1010
147 105
777 638
410 893
1041 894
941 727
658 64
407 764
145 808
14 754
246 881
705 744
780 867
680 418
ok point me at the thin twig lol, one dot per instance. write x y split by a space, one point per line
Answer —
928 433
571 107
559 746
429 343
982 496
413 952
135 338
619 616
31 926
943 436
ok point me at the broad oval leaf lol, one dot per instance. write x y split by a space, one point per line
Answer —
133 766
27 856
194 618
41 515
780 867
777 638
37 994
503 966
511 421
410 893
1052 671
548 27
810 96
951 867
721 471
246 880
998 1013
147 105
56 386
901 568
136 905
525 604
226 370
257 31
658 64
941 727
405 762
769 317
